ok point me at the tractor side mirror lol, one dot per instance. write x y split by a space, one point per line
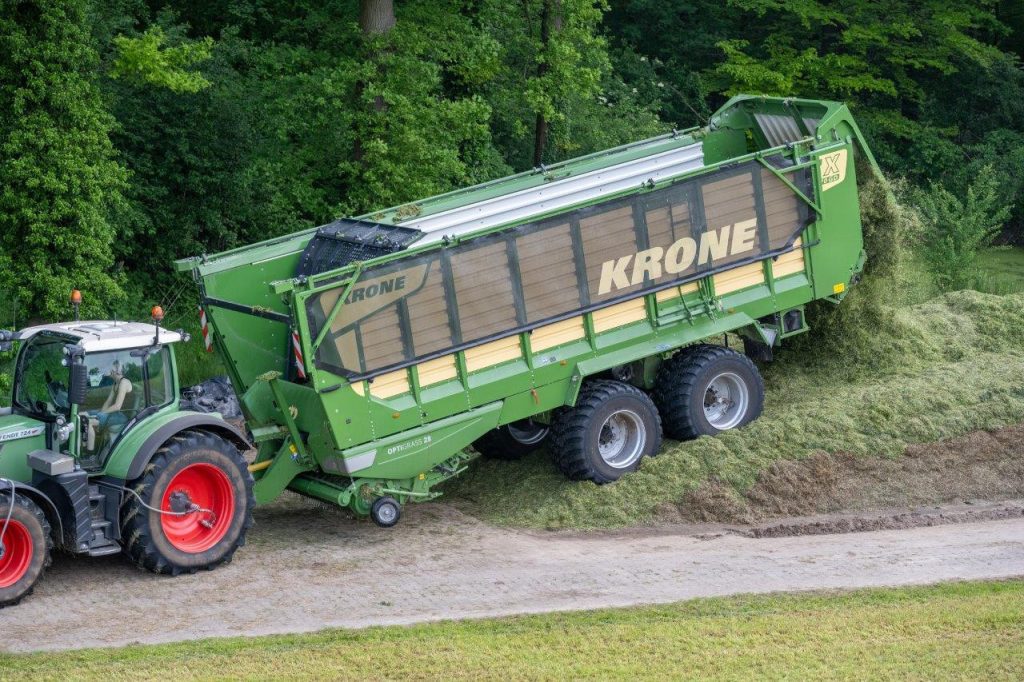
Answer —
79 383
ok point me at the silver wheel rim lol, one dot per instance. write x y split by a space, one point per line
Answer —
621 439
726 401
386 513
527 432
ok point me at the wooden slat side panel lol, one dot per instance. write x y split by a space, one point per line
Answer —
483 288
619 315
437 370
492 353
548 271
391 384
790 263
556 334
382 338
428 315
739 278
607 236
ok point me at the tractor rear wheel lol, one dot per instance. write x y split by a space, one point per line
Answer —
203 490
26 546
512 441
705 389
612 427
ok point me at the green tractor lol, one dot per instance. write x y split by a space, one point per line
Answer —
98 455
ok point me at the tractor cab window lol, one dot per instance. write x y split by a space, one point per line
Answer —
158 378
42 377
122 384
115 393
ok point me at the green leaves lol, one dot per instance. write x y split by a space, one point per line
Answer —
61 183
148 60
956 230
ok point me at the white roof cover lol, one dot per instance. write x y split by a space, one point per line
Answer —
558 194
99 335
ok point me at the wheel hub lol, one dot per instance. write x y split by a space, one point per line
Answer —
180 502
205 490
726 401
621 439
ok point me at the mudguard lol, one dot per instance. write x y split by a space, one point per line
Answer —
45 503
195 421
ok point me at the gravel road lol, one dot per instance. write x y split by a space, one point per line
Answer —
308 567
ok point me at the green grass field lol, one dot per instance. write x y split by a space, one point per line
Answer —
1002 270
946 632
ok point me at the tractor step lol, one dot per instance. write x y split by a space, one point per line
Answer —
104 550
102 544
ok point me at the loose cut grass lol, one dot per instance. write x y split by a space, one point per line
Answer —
873 376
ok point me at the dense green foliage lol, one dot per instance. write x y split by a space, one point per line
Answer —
59 180
136 131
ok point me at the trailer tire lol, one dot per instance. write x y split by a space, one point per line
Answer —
192 468
512 441
706 390
27 547
611 428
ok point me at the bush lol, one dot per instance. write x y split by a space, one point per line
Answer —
956 230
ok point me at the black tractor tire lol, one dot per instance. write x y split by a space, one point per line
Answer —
193 467
689 381
606 413
512 441
27 547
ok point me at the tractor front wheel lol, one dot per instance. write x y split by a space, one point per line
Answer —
24 547
191 508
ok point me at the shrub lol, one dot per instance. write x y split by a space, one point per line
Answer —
956 230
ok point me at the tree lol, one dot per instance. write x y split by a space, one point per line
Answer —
555 73
60 180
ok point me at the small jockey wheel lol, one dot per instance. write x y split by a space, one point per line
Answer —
385 511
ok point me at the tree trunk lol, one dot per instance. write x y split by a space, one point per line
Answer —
551 17
376 16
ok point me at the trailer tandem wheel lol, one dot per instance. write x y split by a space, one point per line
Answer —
192 506
611 428
512 441
26 546
704 390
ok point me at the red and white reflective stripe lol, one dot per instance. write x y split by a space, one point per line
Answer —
300 364
207 341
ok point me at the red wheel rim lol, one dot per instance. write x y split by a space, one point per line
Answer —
209 488
18 555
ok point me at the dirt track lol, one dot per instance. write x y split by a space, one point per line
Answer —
309 567
805 525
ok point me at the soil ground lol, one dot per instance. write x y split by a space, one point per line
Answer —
308 566
983 465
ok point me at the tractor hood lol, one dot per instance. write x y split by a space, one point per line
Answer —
19 436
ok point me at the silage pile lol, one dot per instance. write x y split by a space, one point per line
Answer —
874 375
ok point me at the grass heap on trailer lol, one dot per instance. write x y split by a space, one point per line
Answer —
568 304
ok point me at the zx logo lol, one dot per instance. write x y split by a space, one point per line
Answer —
830 165
833 169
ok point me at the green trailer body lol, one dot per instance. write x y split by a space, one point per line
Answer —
371 376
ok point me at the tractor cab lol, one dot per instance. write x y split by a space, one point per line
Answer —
126 373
